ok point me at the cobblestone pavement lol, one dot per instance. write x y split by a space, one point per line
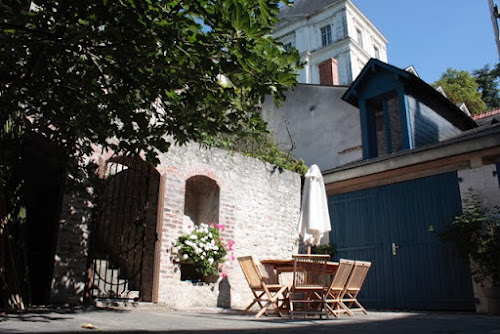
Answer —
157 321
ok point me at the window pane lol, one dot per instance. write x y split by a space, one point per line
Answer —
326 35
360 37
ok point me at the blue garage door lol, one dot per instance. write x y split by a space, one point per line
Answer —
396 227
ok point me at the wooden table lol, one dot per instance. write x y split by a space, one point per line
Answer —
278 270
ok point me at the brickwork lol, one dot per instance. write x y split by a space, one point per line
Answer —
71 254
257 203
259 206
328 72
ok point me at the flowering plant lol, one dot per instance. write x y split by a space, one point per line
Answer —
203 247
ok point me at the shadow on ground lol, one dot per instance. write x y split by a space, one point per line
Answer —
56 321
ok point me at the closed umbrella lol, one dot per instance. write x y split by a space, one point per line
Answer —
314 222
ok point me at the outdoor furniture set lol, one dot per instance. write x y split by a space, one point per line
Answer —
317 287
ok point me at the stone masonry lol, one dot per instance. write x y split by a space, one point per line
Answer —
259 207
258 204
70 261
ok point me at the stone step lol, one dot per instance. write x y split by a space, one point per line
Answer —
125 294
107 283
114 303
130 294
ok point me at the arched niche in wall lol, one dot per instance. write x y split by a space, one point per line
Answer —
201 204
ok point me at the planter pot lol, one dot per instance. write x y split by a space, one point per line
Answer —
487 299
486 295
210 278
189 273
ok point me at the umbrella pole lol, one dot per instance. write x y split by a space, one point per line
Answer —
308 249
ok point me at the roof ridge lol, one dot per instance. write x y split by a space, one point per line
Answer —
486 114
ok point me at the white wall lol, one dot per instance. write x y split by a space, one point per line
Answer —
483 182
325 129
259 206
343 17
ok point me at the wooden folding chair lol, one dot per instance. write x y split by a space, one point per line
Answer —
265 295
309 283
335 292
353 286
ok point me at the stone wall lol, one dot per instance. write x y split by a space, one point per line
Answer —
70 261
257 203
481 181
259 206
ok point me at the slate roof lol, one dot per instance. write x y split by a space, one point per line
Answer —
302 9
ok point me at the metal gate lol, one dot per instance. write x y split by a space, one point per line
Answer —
397 228
124 231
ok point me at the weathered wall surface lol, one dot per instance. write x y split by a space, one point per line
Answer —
428 127
482 181
258 205
71 253
325 130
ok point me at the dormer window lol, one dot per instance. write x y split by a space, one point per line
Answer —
359 37
326 35
288 41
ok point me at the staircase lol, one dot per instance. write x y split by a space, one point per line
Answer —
108 284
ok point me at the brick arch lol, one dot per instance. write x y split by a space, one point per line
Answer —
106 160
204 171
226 204
172 219
124 227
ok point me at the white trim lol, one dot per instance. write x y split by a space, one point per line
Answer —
355 9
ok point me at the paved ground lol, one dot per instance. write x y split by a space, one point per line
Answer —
157 321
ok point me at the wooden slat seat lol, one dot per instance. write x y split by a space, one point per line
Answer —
337 288
353 286
266 295
307 291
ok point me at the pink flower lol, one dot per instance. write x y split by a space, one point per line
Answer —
230 244
224 275
220 227
232 257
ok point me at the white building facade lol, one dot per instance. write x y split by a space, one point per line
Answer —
324 29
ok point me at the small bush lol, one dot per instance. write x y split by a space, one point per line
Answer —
476 234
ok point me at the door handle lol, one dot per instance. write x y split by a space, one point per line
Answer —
394 248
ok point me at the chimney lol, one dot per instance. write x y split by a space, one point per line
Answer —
328 72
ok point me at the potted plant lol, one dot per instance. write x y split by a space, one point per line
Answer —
204 249
328 249
475 234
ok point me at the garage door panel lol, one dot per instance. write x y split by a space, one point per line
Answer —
422 273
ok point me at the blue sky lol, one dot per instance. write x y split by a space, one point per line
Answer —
433 35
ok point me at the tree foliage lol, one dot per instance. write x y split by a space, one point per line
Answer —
85 72
488 85
460 87
131 76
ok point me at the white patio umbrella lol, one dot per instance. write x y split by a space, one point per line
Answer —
314 222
